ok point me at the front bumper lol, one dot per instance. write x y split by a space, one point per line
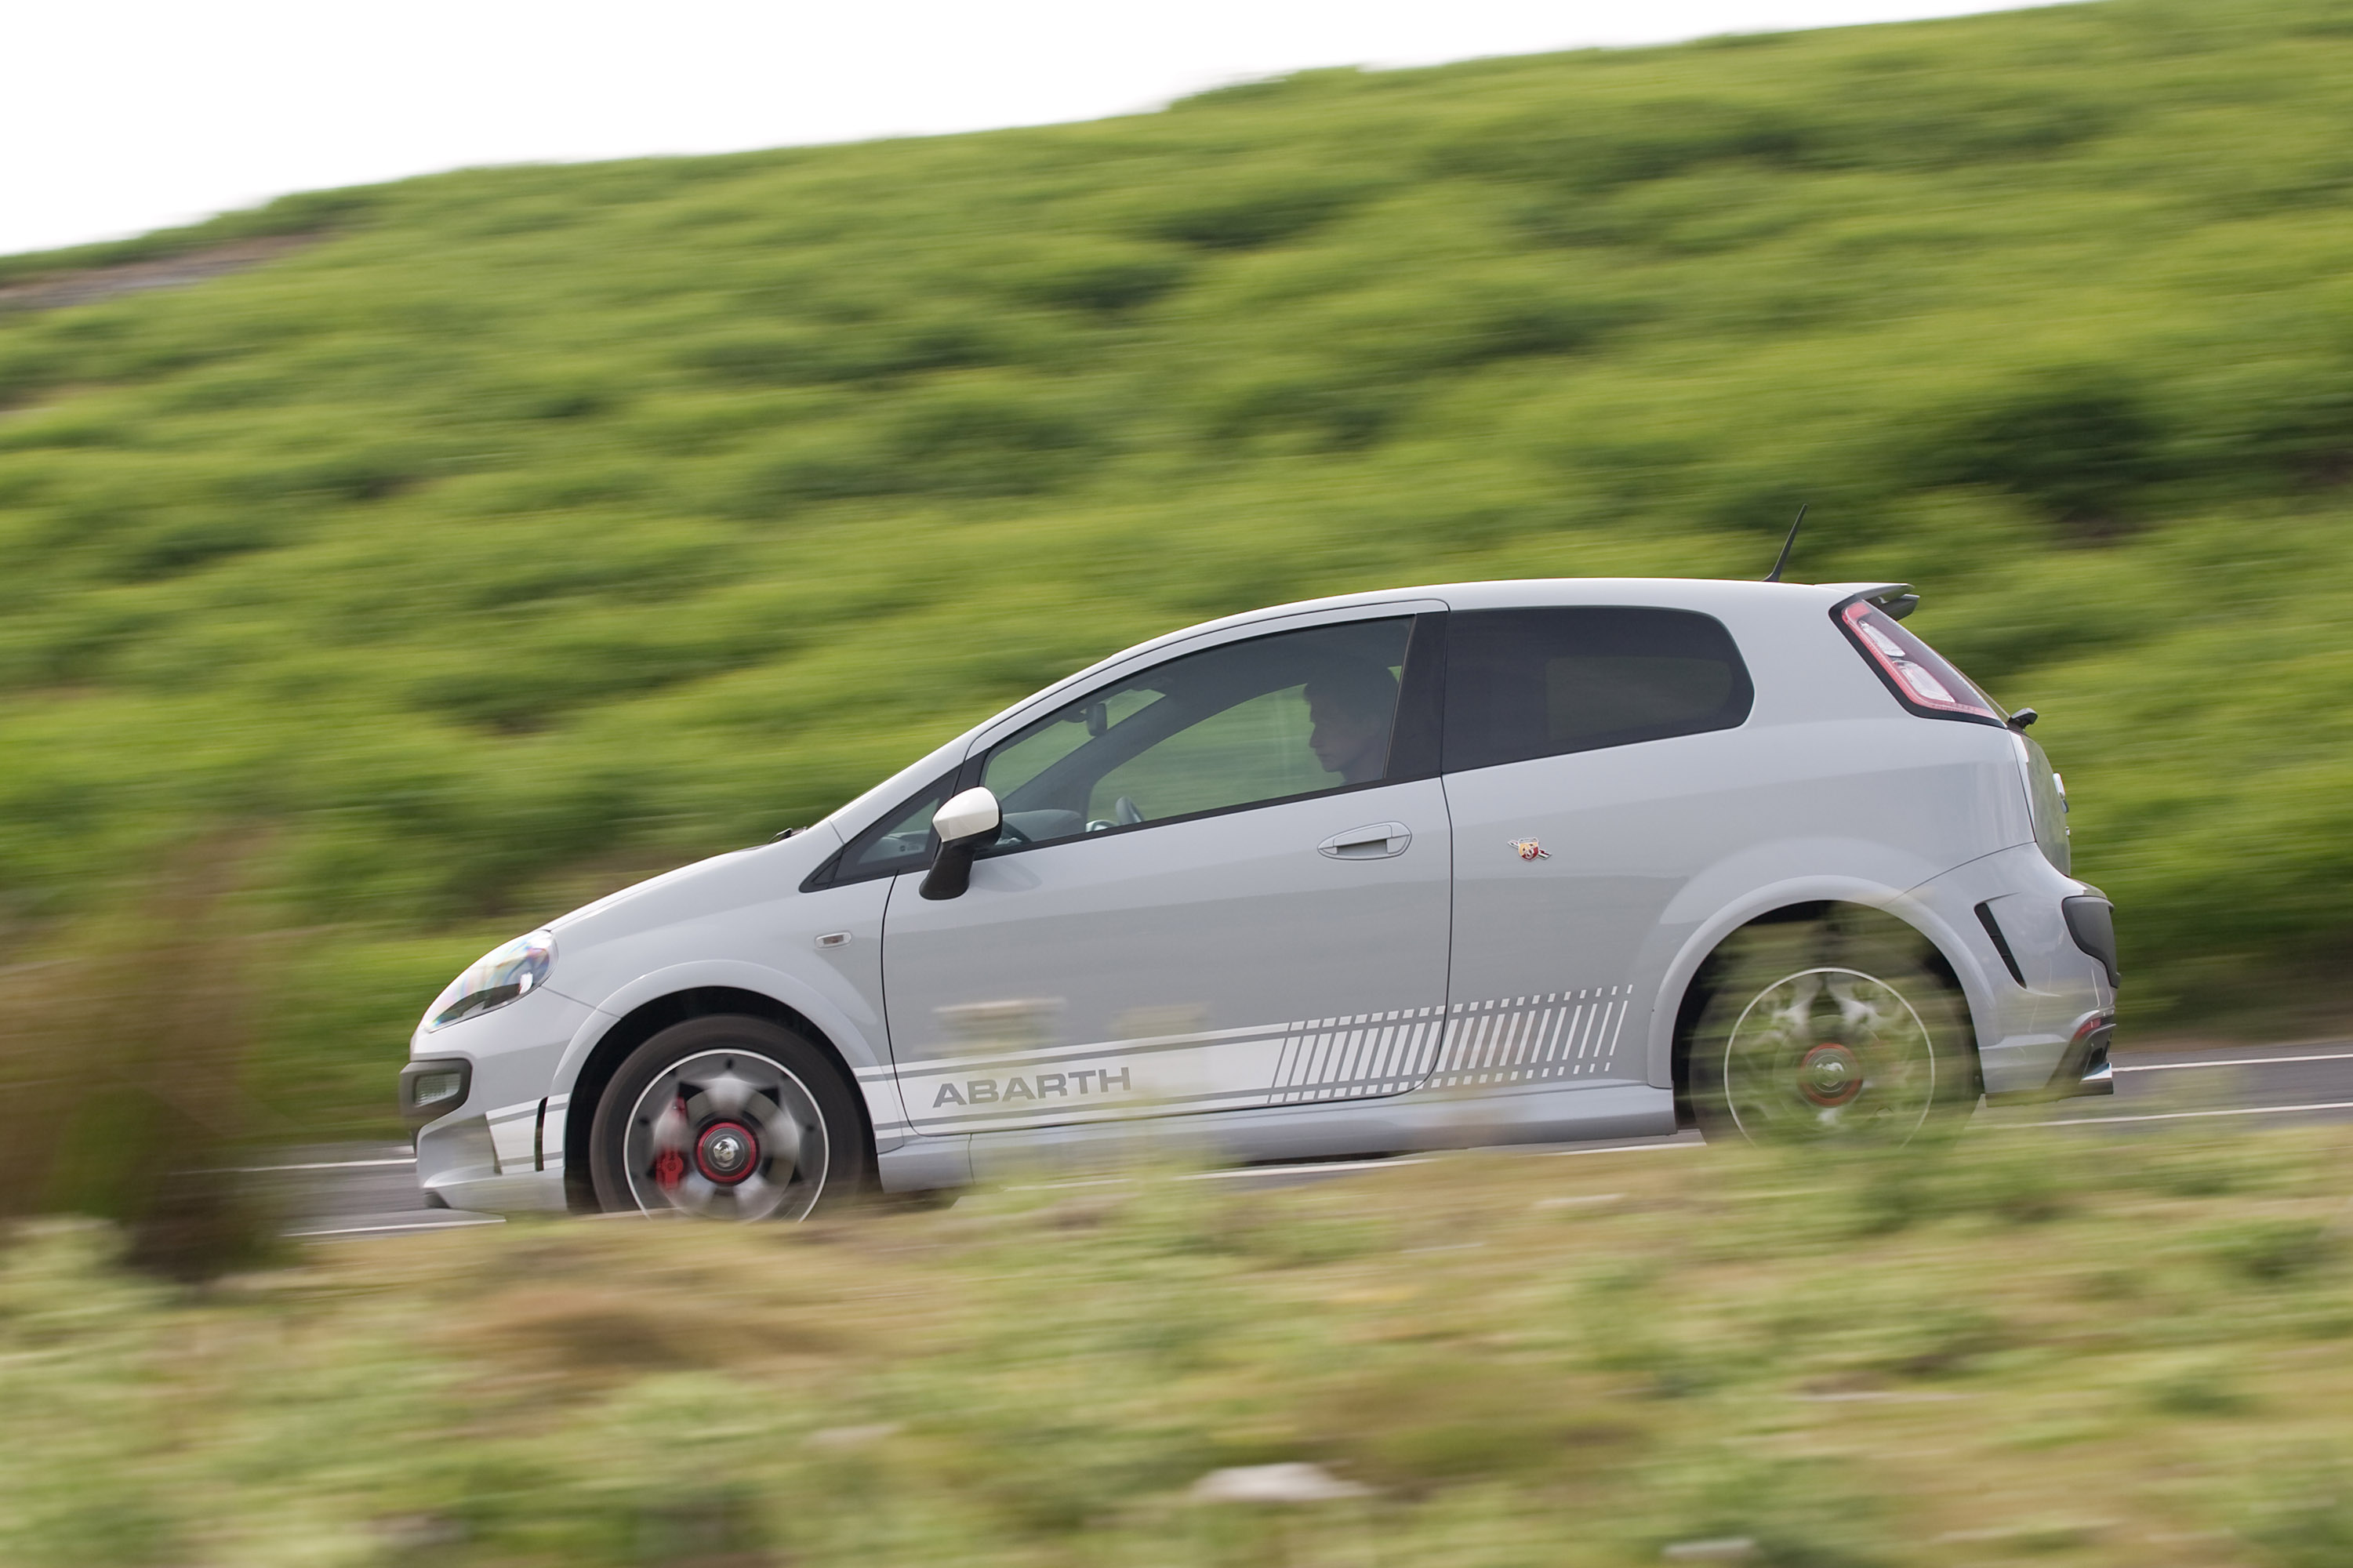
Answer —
501 1147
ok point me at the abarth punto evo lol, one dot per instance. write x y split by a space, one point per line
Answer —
1492 862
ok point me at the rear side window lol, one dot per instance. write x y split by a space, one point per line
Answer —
1541 682
1920 680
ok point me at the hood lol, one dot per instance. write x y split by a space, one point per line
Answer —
760 872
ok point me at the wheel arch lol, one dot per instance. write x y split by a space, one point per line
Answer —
606 1053
1684 995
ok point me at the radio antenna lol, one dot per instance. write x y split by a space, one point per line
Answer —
1775 574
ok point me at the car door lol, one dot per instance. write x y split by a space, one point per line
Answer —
1588 752
1222 883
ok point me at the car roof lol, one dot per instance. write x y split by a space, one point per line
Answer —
1708 594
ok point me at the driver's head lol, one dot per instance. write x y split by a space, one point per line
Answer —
1351 703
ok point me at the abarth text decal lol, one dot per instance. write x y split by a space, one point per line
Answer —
1561 1036
983 1091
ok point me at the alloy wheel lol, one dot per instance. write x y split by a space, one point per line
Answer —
1830 1053
726 1134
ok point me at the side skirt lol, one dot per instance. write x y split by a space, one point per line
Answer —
1533 1114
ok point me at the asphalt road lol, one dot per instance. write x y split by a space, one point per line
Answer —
358 1190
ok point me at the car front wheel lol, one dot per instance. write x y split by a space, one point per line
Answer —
1837 1028
727 1118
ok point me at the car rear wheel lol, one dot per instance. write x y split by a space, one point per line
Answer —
1839 1029
727 1118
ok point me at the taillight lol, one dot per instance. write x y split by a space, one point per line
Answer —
1924 682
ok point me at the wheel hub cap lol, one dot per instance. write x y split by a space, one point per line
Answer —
726 1152
727 1134
1829 1075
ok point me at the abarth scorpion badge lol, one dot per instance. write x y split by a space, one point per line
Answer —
1530 849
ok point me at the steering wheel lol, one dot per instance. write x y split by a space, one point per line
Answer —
1124 812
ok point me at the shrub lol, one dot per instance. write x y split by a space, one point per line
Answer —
2082 446
123 1067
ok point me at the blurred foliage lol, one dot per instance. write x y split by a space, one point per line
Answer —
122 1051
538 527
1523 1360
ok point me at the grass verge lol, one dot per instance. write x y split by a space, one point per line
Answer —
2073 1350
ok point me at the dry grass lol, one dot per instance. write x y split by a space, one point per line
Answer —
121 1066
1530 1359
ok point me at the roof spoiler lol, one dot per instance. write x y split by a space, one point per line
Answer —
1895 600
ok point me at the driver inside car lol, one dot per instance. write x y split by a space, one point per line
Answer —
1350 704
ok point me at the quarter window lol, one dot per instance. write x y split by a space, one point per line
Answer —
901 841
1540 682
1242 724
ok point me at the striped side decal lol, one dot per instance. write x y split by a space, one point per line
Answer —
1534 1039
1348 1059
1557 1036
515 1135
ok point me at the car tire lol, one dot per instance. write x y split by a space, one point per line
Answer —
728 1118
1840 1028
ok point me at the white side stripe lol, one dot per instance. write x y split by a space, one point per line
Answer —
1514 1040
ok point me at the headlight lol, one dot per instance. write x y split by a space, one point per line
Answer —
513 969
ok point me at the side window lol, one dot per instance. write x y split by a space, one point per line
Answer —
1539 682
901 841
1242 724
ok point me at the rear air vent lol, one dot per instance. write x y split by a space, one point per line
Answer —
2000 942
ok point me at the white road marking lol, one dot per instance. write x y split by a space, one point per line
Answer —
1082 1182
1626 1148
1335 1167
318 1165
2182 1115
2234 1062
388 1229
1311 1168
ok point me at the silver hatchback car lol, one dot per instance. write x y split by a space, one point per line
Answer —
1493 862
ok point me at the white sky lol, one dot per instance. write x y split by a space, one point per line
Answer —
120 116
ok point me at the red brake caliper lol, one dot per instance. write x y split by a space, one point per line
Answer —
669 1165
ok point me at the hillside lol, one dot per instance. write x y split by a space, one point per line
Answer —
532 529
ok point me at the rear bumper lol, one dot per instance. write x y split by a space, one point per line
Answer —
2086 1068
2082 1070
2043 1007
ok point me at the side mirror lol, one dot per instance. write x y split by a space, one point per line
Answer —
966 823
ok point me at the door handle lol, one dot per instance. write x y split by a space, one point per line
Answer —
1374 841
